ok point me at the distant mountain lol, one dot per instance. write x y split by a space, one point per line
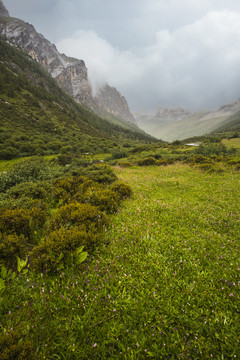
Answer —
231 124
163 116
37 117
179 124
70 73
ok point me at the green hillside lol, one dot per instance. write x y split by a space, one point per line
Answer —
38 118
195 125
232 123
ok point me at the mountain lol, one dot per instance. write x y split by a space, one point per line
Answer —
163 116
179 124
111 101
70 73
37 117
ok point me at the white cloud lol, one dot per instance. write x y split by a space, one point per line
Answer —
196 65
105 63
156 52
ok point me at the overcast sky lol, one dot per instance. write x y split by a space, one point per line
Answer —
155 52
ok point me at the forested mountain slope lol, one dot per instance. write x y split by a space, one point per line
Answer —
37 117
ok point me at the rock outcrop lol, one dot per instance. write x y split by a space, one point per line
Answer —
110 100
3 10
70 73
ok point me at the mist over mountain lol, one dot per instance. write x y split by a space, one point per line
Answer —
71 73
171 124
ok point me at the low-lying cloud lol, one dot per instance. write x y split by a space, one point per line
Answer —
156 52
195 66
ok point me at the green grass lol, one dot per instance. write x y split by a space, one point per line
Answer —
164 286
234 143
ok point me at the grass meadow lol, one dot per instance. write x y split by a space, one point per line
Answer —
164 285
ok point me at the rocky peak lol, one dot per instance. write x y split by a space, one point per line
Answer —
3 10
172 114
70 73
110 100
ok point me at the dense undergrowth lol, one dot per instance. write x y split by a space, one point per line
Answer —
158 277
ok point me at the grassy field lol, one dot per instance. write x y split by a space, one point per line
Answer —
234 143
164 286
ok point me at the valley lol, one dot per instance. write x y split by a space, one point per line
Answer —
119 233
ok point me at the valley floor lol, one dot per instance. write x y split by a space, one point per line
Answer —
165 285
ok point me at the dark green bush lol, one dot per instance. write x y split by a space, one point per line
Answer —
32 190
105 200
33 170
12 246
101 174
22 221
147 161
65 241
11 348
208 149
165 162
198 159
75 214
119 155
16 221
123 190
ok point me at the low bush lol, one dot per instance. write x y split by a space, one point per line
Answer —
165 162
123 190
147 161
105 200
102 174
60 244
32 190
12 246
16 221
119 155
11 348
33 170
75 214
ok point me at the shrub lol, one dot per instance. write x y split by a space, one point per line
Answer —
75 214
119 155
198 159
106 200
64 159
62 241
16 221
123 190
102 174
33 170
211 149
14 349
165 162
12 246
21 221
147 161
37 190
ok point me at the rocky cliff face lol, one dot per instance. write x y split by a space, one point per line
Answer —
3 10
110 100
70 73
